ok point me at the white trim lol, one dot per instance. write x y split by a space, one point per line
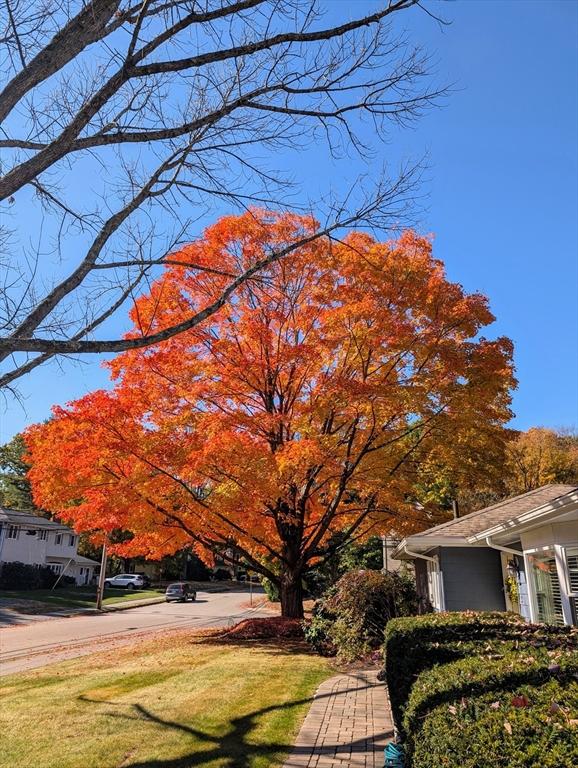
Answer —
429 542
419 555
562 568
435 584
531 590
435 581
507 550
515 523
537 550
565 548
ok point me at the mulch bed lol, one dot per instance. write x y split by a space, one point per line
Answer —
264 629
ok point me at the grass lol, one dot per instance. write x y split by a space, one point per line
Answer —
173 703
79 597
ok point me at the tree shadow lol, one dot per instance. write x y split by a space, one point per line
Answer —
448 644
13 616
234 745
281 646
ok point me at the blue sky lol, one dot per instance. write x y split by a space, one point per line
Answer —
502 194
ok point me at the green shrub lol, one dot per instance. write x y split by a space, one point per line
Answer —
271 589
352 615
412 645
16 575
317 633
472 690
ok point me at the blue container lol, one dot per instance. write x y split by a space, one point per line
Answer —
394 756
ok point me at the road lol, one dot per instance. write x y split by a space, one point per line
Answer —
27 646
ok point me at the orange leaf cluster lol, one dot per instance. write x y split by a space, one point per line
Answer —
301 408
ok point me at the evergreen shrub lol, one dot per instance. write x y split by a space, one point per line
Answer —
15 575
477 689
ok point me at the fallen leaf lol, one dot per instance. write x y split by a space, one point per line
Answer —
495 705
507 727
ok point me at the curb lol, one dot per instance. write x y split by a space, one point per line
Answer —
153 601
132 604
70 612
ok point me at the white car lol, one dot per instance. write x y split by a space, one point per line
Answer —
125 581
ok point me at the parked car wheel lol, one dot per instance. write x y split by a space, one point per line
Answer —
179 592
130 586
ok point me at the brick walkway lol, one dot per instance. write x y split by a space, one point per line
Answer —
349 724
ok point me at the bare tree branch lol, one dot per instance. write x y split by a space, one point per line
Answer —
159 110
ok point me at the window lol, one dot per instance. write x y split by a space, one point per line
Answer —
58 539
572 565
55 568
546 585
42 535
13 532
70 540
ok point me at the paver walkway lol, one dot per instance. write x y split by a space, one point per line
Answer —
349 724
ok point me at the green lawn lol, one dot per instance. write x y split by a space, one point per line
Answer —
79 597
175 703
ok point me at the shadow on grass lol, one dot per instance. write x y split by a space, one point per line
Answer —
284 646
234 748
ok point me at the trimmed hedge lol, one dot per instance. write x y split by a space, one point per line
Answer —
475 690
15 575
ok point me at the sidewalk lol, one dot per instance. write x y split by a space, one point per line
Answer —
349 724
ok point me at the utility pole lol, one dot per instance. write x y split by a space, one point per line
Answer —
101 578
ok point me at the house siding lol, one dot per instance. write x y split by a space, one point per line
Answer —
41 542
553 533
472 579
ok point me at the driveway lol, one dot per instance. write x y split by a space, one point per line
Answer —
36 644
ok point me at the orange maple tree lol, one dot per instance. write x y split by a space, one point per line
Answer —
300 409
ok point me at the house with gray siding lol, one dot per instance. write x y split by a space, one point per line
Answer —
519 555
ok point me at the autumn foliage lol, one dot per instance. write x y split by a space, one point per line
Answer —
541 456
301 408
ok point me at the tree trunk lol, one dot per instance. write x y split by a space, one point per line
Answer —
291 593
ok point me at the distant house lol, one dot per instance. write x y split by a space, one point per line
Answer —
519 555
27 538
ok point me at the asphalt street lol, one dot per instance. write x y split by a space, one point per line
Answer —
37 643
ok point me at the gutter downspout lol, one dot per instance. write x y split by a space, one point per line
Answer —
435 559
417 554
508 550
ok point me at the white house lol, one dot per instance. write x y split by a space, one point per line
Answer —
27 538
519 555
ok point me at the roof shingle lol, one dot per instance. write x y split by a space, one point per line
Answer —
482 519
